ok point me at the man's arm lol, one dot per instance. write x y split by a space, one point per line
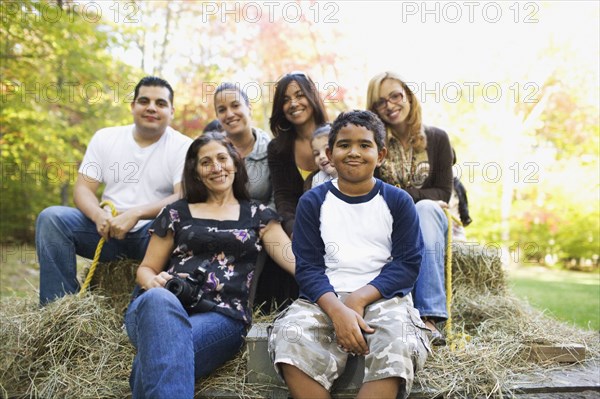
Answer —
84 196
124 222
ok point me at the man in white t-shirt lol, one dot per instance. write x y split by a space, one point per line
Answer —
141 167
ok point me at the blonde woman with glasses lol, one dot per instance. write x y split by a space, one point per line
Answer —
419 160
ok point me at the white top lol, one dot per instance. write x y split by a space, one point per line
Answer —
342 243
320 178
367 238
133 175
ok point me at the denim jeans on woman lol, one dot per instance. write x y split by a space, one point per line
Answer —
174 348
61 233
429 293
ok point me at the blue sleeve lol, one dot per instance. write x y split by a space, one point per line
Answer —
398 277
308 247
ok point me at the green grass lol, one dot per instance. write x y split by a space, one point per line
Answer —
20 271
573 297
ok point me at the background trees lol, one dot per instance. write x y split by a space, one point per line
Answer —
59 83
529 157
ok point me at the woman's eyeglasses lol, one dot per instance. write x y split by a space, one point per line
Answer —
394 98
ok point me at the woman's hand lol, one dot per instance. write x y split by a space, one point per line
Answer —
158 280
442 204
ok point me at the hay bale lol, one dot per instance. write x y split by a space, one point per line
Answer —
493 344
75 348
72 348
114 280
478 269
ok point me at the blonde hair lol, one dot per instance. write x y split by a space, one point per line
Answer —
413 119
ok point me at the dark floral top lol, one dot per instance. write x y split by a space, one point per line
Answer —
227 250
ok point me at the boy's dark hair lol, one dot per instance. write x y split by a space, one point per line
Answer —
153 81
366 119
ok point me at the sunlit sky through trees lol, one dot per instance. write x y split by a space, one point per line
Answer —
514 83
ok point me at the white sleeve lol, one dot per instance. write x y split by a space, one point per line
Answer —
180 160
92 166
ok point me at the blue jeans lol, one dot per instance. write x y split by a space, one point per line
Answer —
174 348
61 233
430 293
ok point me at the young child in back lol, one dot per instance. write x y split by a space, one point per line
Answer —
358 249
326 170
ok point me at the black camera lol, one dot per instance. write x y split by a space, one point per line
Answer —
189 290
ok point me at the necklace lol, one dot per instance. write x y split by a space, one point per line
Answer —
407 165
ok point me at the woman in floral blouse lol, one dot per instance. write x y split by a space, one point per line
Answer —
216 229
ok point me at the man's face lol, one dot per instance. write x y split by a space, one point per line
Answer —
152 110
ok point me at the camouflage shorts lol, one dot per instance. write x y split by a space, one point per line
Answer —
303 336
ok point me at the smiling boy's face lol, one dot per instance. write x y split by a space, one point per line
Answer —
355 155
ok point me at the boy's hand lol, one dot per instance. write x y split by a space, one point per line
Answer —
348 327
348 324
361 298
355 303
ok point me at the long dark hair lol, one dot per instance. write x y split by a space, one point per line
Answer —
193 189
280 126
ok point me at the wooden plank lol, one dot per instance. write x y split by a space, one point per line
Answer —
570 353
574 378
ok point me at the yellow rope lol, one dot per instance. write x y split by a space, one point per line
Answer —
455 340
96 259
448 326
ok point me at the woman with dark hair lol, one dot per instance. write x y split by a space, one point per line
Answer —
419 160
192 312
297 111
233 111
